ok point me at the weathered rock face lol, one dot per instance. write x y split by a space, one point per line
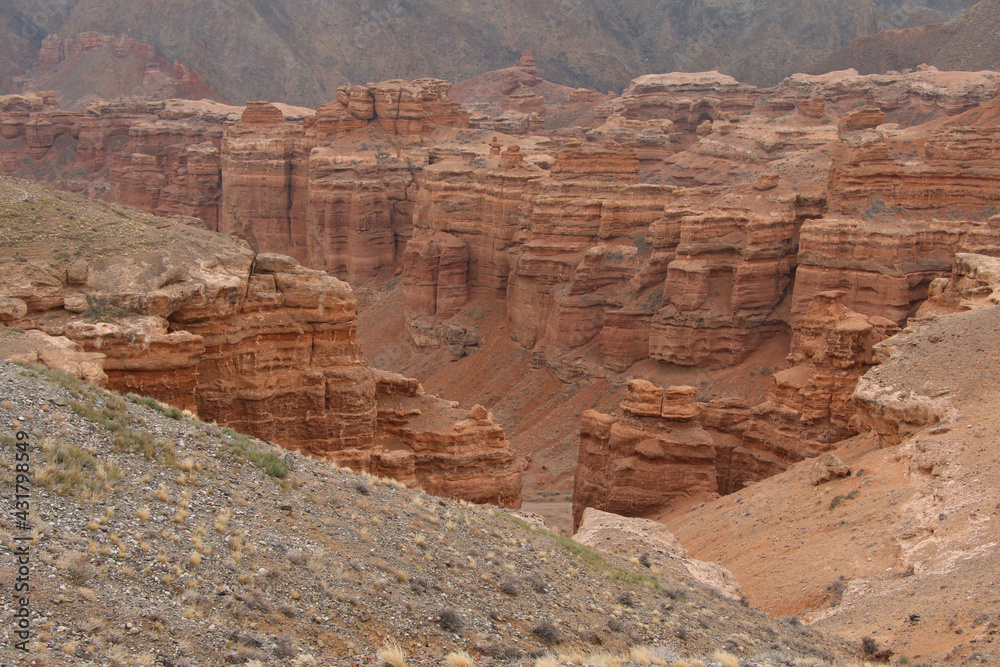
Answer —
162 157
652 452
687 99
809 409
254 341
269 173
902 203
639 461
426 441
907 99
516 101
973 284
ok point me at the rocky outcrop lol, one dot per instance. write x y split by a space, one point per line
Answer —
688 100
426 441
269 173
974 283
624 537
895 224
254 341
907 99
809 408
162 157
650 453
517 101
662 446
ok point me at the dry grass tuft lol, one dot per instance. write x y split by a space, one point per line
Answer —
459 659
726 659
391 655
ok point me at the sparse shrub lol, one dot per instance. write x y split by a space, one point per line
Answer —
615 625
676 594
646 655
626 599
242 447
151 402
73 471
77 568
546 631
509 586
450 620
297 557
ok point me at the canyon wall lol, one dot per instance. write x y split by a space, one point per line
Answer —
662 448
701 220
251 340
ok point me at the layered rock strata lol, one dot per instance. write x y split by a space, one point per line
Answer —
651 453
662 446
809 409
902 204
254 341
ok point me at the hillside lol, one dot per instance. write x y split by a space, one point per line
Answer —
157 537
299 51
970 41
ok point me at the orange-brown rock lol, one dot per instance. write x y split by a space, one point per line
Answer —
414 108
254 341
427 442
809 408
907 99
436 282
884 264
160 156
636 462
623 466
973 284
686 99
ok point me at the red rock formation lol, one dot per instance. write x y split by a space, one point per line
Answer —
907 99
809 408
649 454
516 100
429 443
413 109
685 99
254 341
270 175
901 205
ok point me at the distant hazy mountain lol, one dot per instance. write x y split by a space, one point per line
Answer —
299 51
969 42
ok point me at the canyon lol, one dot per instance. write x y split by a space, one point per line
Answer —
677 297
165 308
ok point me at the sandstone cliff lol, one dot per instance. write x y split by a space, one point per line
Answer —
252 340
616 251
